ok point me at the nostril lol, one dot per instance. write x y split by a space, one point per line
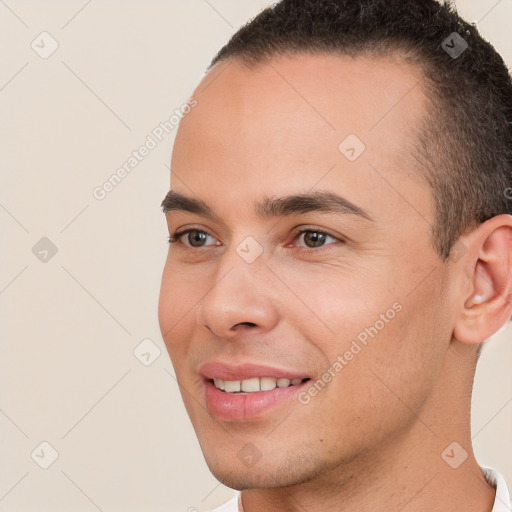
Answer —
249 324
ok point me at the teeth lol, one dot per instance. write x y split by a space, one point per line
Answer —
250 385
219 383
267 383
254 384
232 386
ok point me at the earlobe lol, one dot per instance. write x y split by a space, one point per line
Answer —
488 306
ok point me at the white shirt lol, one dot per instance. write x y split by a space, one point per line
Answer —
501 502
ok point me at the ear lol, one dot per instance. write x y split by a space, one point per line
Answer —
487 306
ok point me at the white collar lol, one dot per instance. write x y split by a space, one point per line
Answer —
502 500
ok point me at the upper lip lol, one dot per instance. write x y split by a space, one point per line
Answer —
243 371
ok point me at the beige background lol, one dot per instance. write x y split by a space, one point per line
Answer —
70 325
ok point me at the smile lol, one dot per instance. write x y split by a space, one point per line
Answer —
255 384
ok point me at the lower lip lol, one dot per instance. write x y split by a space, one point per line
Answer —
247 406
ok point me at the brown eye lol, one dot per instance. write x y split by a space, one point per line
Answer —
196 238
193 237
315 238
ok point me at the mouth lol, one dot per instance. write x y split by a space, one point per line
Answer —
243 392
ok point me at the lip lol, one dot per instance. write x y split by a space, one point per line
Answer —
246 406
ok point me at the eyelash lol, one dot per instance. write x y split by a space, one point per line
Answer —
177 235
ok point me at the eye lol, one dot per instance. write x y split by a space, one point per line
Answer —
194 237
315 238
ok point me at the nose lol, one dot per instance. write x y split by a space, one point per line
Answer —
240 299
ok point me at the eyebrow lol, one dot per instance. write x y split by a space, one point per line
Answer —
296 204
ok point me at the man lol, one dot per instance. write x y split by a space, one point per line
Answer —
340 248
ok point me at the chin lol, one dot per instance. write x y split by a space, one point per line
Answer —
240 482
262 475
248 479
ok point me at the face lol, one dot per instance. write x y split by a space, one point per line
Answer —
307 265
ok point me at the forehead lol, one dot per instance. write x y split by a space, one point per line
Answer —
293 122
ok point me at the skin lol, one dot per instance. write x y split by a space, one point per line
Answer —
372 439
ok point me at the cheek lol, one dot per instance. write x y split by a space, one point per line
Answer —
373 394
334 303
381 345
179 295
397 370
